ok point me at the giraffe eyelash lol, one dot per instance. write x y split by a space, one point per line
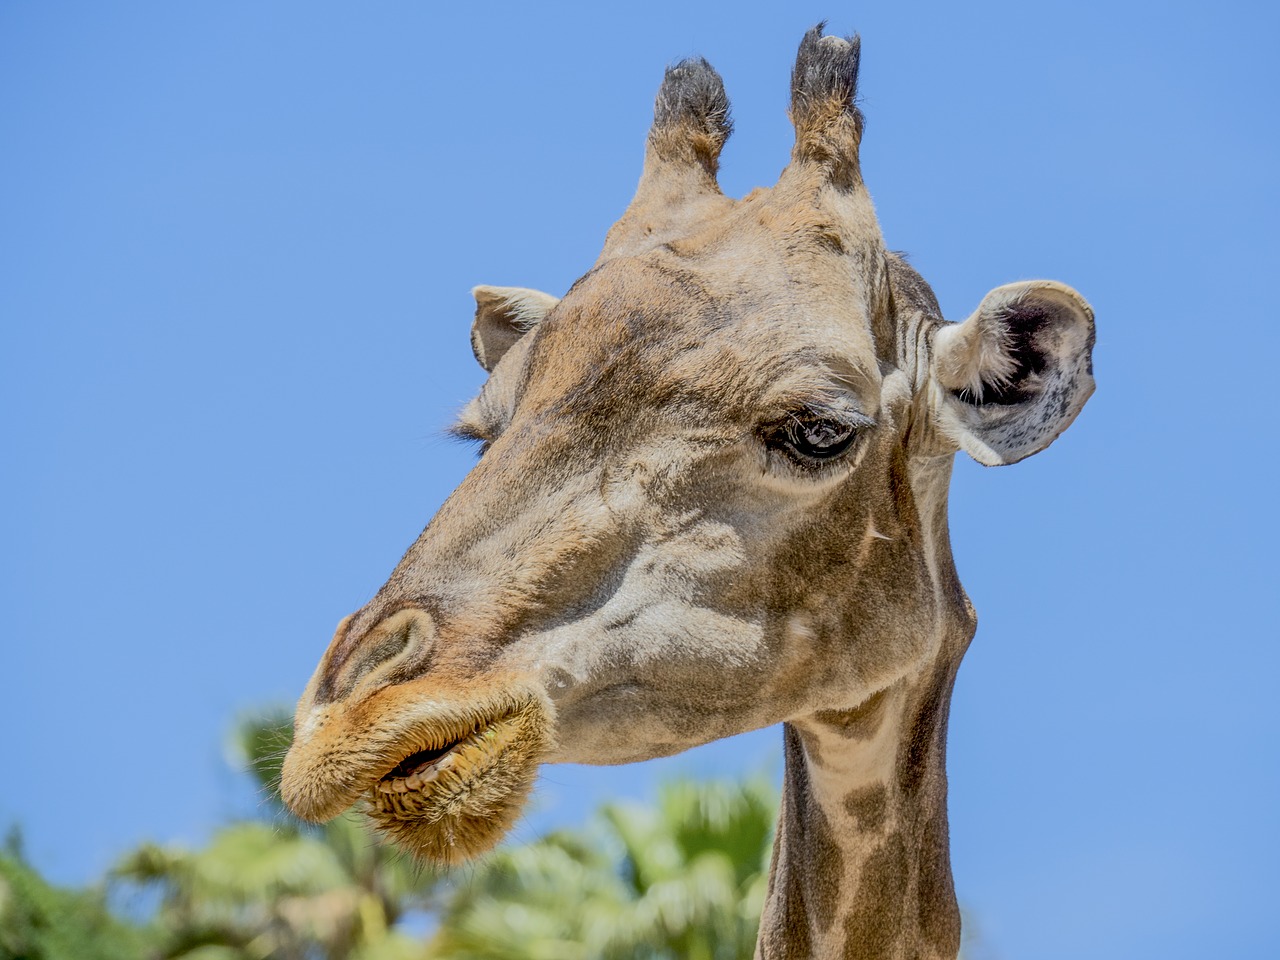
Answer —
468 433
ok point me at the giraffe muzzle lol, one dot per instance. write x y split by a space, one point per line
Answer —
441 765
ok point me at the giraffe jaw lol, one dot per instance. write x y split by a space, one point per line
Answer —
445 784
450 804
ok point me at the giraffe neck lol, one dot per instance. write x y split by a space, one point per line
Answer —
861 866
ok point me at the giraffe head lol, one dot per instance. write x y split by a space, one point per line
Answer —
712 489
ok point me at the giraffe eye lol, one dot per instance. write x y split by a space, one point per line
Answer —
811 438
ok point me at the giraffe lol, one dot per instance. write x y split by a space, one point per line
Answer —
711 497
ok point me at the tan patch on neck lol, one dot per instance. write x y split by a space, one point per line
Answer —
863 722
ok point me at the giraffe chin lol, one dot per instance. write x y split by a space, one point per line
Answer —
449 805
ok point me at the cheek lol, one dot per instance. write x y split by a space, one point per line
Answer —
666 647
862 576
694 636
889 618
667 677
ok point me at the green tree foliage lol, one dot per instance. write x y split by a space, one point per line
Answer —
39 921
276 888
684 880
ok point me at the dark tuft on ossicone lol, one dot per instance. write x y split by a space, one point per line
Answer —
824 91
692 110
826 68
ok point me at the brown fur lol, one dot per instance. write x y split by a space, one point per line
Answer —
646 558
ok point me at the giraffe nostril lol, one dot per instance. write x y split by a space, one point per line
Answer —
390 652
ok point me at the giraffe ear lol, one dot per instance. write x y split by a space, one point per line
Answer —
1014 375
503 316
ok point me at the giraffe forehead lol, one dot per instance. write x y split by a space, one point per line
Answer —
643 334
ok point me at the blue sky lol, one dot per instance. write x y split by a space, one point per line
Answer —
236 244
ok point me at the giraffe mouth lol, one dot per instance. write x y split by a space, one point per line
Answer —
458 762
454 798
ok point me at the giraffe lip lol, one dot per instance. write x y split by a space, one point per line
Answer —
446 767
420 769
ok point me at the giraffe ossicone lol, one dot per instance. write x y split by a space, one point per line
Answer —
712 497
